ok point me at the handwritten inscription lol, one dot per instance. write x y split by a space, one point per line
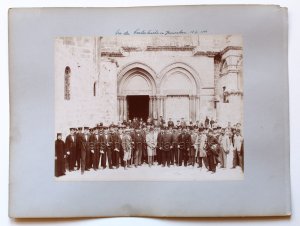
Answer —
139 31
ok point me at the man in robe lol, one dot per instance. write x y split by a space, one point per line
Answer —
59 156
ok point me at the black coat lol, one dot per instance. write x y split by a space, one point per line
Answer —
59 158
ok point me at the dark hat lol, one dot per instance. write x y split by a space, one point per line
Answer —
72 129
79 128
86 127
219 127
215 128
58 134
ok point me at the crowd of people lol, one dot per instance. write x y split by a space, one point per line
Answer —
130 144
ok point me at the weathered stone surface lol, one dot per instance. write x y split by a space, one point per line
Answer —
185 76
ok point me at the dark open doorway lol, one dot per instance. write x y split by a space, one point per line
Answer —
138 106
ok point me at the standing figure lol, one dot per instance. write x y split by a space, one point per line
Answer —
85 150
159 149
139 141
95 143
165 147
60 155
118 146
106 147
170 123
225 143
206 122
127 148
151 145
71 149
175 144
200 146
237 149
78 144
181 146
212 144
192 152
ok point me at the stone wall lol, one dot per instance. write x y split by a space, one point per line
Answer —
98 65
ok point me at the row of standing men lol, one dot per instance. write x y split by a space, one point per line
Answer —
115 146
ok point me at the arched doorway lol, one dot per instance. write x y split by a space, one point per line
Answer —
136 88
179 88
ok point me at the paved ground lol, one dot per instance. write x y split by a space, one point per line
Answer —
155 173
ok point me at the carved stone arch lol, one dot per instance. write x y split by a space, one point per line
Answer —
133 70
184 69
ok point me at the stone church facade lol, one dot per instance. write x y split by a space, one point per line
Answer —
110 79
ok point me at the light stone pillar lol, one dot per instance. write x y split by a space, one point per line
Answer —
151 106
125 108
154 114
158 106
197 107
164 107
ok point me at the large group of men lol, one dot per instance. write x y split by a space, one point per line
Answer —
130 144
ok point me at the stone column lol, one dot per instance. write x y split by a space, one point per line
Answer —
125 108
119 107
151 106
197 107
158 106
121 113
190 107
154 105
164 107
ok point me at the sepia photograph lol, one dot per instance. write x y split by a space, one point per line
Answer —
149 108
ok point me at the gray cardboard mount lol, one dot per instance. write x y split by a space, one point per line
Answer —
33 192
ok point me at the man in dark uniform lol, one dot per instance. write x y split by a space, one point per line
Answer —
78 146
85 150
113 133
95 148
118 149
184 140
212 145
106 146
139 140
175 146
71 149
59 156
159 141
165 146
187 142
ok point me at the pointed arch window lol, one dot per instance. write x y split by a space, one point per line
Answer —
67 83
95 89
